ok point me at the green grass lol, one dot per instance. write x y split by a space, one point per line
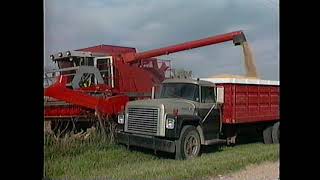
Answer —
100 159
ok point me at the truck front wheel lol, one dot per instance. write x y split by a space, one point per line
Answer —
188 145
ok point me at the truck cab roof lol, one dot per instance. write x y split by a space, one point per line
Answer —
190 81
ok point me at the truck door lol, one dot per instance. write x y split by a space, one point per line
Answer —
209 113
105 66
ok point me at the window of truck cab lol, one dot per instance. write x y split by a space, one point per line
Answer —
187 91
207 94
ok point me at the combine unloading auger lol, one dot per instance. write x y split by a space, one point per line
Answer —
237 37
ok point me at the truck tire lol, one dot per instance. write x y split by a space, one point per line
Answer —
188 145
276 133
267 135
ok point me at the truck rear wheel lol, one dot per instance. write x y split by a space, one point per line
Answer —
276 133
188 146
267 135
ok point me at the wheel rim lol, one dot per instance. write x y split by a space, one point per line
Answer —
191 146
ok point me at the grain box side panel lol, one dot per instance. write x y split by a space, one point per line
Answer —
256 103
244 103
275 101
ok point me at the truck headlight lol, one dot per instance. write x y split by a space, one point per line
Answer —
120 118
170 123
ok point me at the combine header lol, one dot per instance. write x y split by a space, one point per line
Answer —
100 80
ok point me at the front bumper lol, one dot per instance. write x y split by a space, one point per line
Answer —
149 142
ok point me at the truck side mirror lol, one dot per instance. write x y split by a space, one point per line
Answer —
152 92
155 91
220 95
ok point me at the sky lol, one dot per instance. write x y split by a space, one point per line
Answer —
150 24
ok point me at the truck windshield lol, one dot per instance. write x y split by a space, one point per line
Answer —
180 90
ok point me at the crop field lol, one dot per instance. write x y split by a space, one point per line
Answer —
97 157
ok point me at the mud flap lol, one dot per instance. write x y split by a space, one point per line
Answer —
178 149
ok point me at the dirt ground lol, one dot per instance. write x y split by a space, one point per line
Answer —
265 171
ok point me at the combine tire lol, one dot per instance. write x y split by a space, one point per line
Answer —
188 146
276 133
267 135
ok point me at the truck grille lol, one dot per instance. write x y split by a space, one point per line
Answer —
143 120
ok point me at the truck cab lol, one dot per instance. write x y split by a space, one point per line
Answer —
184 115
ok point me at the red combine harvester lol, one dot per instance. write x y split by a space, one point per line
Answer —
94 80
100 80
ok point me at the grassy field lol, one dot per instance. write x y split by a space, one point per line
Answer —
97 158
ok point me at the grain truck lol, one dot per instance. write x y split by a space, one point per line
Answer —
187 114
